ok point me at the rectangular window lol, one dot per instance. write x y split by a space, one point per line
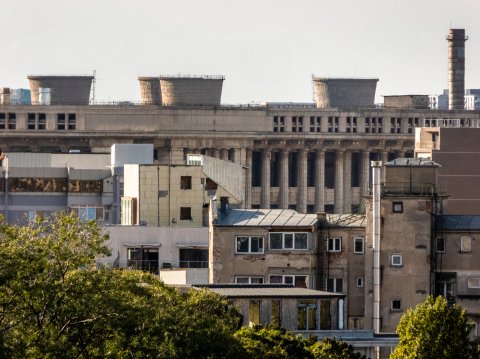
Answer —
248 280
396 304
186 213
42 121
278 123
307 315
300 281
333 124
186 182
72 121
246 245
335 285
315 124
254 312
280 240
12 121
88 213
465 244
440 245
397 207
61 121
142 258
334 244
396 260
276 315
358 245
297 124
359 282
473 282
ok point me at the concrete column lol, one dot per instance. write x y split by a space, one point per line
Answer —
265 194
384 159
283 190
347 182
224 154
320 180
365 179
302 181
248 179
339 167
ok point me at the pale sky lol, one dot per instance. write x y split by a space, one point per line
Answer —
267 49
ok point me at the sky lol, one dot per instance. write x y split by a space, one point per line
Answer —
267 50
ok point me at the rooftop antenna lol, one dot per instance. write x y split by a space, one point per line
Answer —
93 86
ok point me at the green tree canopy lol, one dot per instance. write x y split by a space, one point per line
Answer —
434 329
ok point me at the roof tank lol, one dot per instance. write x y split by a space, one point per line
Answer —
64 90
344 92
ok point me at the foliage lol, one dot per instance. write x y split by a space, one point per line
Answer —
54 303
276 343
434 329
332 348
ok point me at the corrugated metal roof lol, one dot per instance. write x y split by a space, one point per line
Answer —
447 222
265 217
251 291
411 162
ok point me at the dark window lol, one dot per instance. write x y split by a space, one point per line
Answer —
359 243
143 258
335 285
60 121
42 121
186 182
186 213
193 258
440 244
72 121
397 207
396 304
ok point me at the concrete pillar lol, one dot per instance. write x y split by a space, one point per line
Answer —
384 159
320 180
248 179
365 179
265 194
339 167
283 190
347 182
302 181
224 154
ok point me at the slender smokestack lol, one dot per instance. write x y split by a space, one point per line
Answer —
456 69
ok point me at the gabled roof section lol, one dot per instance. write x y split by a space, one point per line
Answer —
265 217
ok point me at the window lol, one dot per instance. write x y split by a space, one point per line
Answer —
351 123
278 123
358 245
254 312
315 124
36 121
276 314
143 258
473 282
297 124
248 280
465 244
359 282
440 245
334 244
335 285
129 211
60 121
72 121
307 315
288 240
249 245
373 124
8 121
185 213
397 207
300 281
396 304
193 258
396 260
333 124
395 124
186 182
87 213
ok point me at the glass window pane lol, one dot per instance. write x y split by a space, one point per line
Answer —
301 241
242 244
276 279
256 280
256 244
288 279
288 240
301 281
275 240
241 280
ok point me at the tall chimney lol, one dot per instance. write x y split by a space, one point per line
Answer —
456 69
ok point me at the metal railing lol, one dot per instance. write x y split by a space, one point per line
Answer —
152 266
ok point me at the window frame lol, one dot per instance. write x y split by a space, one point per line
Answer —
185 182
335 281
466 244
442 239
293 277
294 241
186 214
249 279
396 308
396 255
355 239
262 247
359 282
333 248
395 209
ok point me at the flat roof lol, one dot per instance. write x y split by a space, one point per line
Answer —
271 291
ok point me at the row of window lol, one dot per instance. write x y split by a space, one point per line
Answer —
372 124
38 121
290 241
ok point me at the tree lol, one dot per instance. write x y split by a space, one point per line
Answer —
55 303
332 348
434 329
